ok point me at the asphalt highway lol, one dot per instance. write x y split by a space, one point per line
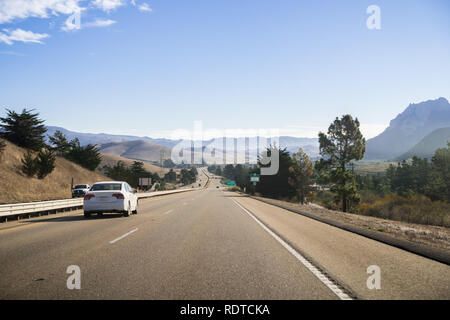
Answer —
205 244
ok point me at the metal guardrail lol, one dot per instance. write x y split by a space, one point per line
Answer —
17 209
42 206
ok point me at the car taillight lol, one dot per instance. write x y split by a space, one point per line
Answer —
89 196
118 196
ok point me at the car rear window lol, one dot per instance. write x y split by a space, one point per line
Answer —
106 186
80 186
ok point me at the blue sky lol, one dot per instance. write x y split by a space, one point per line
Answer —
150 67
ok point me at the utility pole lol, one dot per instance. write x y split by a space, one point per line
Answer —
161 157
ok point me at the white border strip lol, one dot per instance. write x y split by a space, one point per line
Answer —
123 236
322 277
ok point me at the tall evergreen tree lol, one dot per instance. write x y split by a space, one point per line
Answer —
228 172
342 144
45 163
23 129
29 165
277 186
59 143
302 171
439 182
88 156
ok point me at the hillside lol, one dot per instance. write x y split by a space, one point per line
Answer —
408 129
428 145
99 138
292 144
16 187
137 149
112 159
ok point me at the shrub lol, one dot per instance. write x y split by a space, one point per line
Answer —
45 162
29 165
414 208
2 146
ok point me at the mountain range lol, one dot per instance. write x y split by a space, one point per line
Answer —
419 130
428 145
149 149
408 129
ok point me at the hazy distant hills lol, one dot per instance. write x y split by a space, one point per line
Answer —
412 132
101 138
428 145
408 129
136 149
146 148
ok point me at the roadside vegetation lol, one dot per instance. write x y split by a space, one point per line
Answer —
414 191
27 130
2 146
131 174
16 186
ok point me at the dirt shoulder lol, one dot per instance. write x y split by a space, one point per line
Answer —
433 236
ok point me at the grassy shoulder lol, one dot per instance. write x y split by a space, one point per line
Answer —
429 235
414 208
15 187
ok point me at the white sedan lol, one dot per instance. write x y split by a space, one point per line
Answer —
110 196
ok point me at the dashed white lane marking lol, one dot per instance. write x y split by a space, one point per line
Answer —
167 212
320 275
123 236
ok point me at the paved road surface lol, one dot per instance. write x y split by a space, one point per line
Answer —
205 244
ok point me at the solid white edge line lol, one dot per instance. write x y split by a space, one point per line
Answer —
123 236
322 277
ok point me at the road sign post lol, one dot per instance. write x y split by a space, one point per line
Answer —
254 177
145 182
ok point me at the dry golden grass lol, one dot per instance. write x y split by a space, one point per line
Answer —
112 159
17 187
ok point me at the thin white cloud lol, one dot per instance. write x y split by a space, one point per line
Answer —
11 10
108 5
145 7
99 23
19 35
12 53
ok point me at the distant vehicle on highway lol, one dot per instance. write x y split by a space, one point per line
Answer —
80 190
110 196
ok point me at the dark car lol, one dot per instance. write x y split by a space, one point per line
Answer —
80 190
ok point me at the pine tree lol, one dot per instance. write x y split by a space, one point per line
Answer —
29 165
25 129
88 156
45 162
302 170
277 185
342 144
59 143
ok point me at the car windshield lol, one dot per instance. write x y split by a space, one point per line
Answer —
106 186
80 186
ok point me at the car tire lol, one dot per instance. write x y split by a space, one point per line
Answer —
127 213
136 211
87 214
